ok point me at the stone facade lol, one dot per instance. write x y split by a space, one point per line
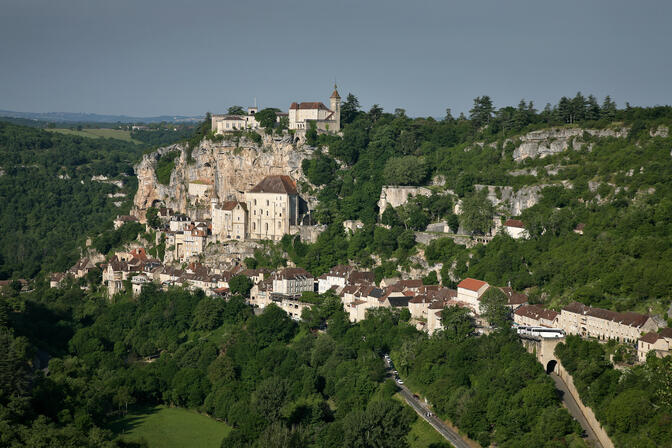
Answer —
326 119
577 318
396 196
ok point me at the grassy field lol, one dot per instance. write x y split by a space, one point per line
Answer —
164 427
98 133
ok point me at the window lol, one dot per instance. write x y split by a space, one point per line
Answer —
254 226
266 227
267 203
255 202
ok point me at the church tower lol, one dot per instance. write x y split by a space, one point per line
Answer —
335 106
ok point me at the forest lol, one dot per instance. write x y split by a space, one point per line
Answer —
49 203
276 381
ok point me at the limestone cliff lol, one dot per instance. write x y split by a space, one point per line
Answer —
554 140
230 167
513 202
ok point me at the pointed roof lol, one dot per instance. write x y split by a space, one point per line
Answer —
276 184
335 94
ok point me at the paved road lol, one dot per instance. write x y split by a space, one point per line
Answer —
418 406
575 411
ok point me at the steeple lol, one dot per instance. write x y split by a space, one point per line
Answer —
335 103
335 94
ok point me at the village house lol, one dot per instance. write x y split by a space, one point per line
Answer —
535 316
229 221
189 242
123 219
470 291
81 268
659 343
260 294
515 229
586 321
301 115
222 123
293 281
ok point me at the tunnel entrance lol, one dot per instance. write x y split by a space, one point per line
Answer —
550 367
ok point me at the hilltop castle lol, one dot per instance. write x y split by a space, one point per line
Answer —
326 119
300 116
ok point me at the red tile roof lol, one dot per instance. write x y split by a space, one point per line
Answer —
514 223
471 284
276 184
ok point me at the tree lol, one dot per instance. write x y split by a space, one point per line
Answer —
494 309
385 423
407 170
267 118
349 109
236 110
481 114
240 284
456 322
153 220
375 112
477 213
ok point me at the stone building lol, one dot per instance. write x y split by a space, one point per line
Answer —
293 281
229 222
577 318
272 206
659 343
222 123
326 119
535 316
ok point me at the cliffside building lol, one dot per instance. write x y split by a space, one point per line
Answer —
325 118
222 123
270 208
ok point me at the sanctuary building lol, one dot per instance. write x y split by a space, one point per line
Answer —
267 212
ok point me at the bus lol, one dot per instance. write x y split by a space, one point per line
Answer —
540 332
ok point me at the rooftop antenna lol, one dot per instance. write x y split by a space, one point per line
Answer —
255 102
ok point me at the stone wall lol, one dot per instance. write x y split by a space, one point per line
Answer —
588 413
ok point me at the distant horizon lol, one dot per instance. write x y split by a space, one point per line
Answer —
539 107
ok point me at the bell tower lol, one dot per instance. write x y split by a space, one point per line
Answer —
335 106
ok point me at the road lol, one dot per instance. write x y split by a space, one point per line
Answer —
418 406
574 410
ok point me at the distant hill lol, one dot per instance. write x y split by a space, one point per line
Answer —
74 117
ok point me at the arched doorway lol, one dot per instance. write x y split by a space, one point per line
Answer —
550 367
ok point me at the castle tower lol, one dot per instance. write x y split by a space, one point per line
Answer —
335 106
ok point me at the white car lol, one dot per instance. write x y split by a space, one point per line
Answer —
400 381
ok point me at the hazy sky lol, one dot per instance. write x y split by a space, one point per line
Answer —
151 57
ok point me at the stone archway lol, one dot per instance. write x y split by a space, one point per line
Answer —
550 366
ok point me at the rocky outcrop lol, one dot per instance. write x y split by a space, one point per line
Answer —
660 131
511 201
554 140
396 196
230 167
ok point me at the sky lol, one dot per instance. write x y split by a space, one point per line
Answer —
179 57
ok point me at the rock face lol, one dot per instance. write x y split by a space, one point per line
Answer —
513 202
230 167
396 196
554 140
